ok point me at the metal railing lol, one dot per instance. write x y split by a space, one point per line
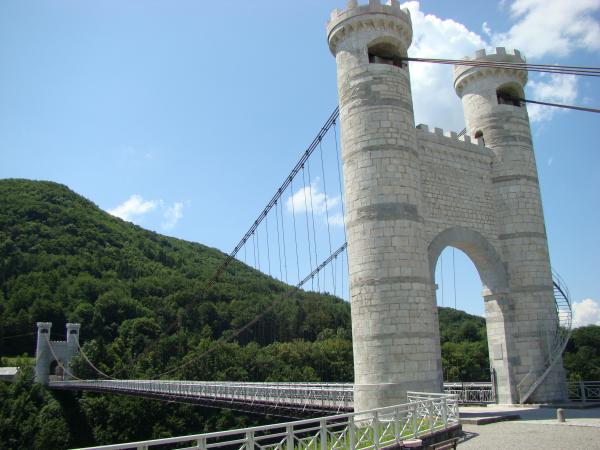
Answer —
584 391
305 397
300 397
564 315
383 427
475 393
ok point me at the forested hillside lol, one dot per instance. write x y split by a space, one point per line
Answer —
64 259
144 310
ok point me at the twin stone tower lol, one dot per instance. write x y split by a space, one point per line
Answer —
410 192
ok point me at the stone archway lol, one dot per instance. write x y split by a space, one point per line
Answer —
484 256
494 279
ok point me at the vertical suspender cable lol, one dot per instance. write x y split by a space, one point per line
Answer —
258 246
283 239
454 273
268 250
326 209
442 273
295 232
339 171
345 269
307 228
278 240
254 248
312 214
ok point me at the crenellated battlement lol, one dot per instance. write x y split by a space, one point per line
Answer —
499 55
464 74
373 15
452 138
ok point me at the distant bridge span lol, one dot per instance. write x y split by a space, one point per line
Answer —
278 399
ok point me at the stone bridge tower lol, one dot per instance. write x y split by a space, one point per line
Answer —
49 352
394 320
522 321
410 193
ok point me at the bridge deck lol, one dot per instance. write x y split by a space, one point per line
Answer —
285 399
282 399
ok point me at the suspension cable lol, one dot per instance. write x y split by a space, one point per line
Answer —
82 353
258 247
307 224
323 264
546 68
312 215
224 339
254 248
322 132
283 239
556 105
442 273
278 240
60 364
454 275
295 232
326 210
268 250
17 335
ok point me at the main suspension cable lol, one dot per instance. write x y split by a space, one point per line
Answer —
322 132
556 105
547 68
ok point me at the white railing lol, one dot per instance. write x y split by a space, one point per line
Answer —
307 396
584 391
471 393
383 427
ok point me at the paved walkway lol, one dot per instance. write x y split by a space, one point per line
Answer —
537 429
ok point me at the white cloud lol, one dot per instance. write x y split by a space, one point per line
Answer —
133 207
552 27
432 83
586 312
311 198
553 89
172 215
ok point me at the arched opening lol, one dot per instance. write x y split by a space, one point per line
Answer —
471 267
463 339
56 371
509 94
385 53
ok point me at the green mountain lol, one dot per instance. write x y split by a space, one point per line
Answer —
64 259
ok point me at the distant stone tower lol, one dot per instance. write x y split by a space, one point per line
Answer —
46 350
394 320
524 322
411 192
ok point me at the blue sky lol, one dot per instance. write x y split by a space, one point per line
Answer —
185 116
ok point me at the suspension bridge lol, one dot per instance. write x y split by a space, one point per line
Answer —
364 215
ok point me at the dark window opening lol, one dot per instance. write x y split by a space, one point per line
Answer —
479 135
508 95
73 332
44 331
385 54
